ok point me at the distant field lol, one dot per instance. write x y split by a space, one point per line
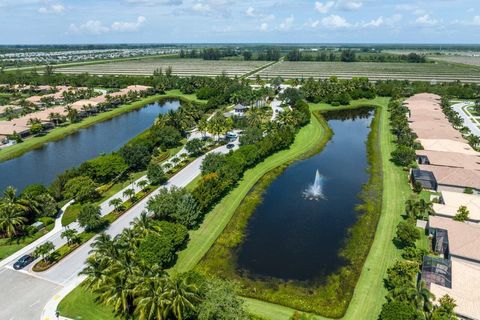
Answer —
181 67
471 60
441 71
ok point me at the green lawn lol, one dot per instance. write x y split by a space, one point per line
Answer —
7 248
369 293
80 304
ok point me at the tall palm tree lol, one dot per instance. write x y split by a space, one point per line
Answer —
152 302
423 298
11 219
182 294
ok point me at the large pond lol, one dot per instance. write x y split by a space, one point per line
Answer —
42 165
292 237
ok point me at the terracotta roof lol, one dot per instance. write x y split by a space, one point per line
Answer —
458 177
7 128
465 284
453 200
451 159
463 238
447 146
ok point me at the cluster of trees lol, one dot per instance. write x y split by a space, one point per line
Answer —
404 154
270 54
127 274
337 92
349 55
17 212
221 172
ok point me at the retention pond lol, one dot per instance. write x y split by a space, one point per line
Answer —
42 165
299 229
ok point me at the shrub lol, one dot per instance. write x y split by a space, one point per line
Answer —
155 174
396 310
159 248
407 234
81 188
89 217
462 214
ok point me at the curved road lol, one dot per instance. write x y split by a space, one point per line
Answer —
28 292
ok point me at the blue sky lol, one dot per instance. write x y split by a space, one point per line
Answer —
160 21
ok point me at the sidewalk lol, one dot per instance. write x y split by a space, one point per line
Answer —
74 263
47 237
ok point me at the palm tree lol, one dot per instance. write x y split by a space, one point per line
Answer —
117 203
151 301
423 298
11 219
183 295
142 184
129 193
45 250
71 235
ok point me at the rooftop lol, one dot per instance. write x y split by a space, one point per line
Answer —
463 238
453 200
446 145
464 289
457 177
451 159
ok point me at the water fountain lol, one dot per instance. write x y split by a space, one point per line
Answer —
314 191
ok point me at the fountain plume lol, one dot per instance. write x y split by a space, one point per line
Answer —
314 191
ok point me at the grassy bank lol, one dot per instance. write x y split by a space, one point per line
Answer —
330 298
309 138
61 132
369 294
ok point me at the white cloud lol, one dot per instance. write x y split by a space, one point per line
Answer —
128 26
475 21
201 7
373 23
94 27
263 26
56 8
351 5
426 20
152 3
287 23
334 21
250 12
324 7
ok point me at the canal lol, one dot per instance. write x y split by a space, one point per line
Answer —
42 165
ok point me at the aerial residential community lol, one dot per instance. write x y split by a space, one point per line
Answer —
224 160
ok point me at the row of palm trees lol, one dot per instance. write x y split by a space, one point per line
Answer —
132 287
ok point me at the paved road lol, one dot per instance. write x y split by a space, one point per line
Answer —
467 118
32 289
22 297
